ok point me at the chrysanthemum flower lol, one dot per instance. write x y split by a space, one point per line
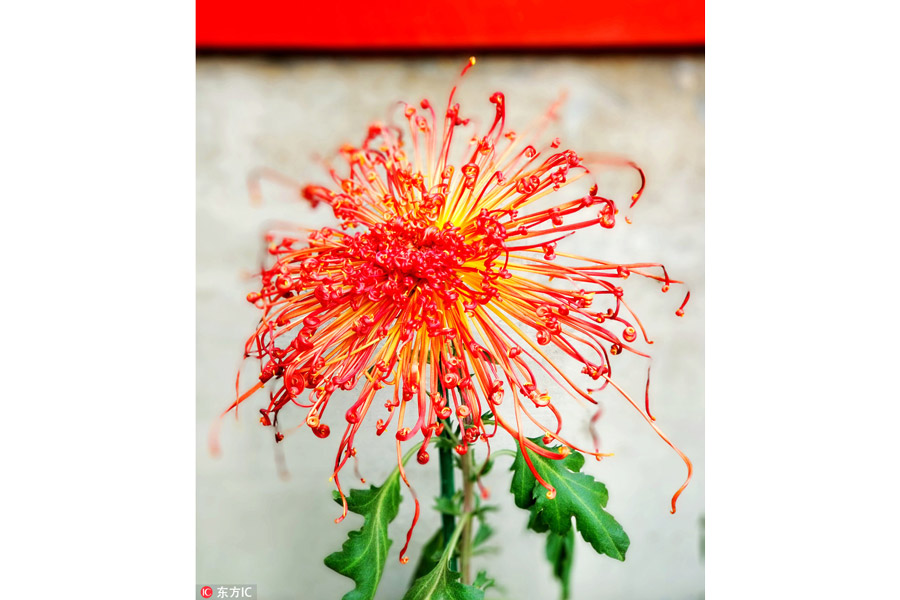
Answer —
443 285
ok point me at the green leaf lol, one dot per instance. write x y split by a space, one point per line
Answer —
483 533
482 581
443 441
431 554
486 467
363 555
578 495
449 506
523 483
441 583
536 523
560 549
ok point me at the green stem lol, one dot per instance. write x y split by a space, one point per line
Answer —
465 544
465 519
445 455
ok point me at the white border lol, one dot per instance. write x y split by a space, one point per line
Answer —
802 207
98 339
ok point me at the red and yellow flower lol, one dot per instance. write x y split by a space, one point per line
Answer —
443 287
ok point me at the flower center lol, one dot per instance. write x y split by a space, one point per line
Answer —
396 257
408 248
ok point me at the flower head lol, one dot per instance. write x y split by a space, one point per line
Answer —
442 285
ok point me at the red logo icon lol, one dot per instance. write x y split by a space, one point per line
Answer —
206 591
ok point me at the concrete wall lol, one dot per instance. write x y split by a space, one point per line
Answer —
256 527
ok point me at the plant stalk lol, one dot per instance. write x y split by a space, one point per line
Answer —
448 489
465 543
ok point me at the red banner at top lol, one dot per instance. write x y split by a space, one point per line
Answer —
454 25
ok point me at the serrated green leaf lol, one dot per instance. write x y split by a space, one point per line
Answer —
363 555
560 550
578 495
441 583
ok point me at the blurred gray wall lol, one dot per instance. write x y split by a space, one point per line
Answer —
254 526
